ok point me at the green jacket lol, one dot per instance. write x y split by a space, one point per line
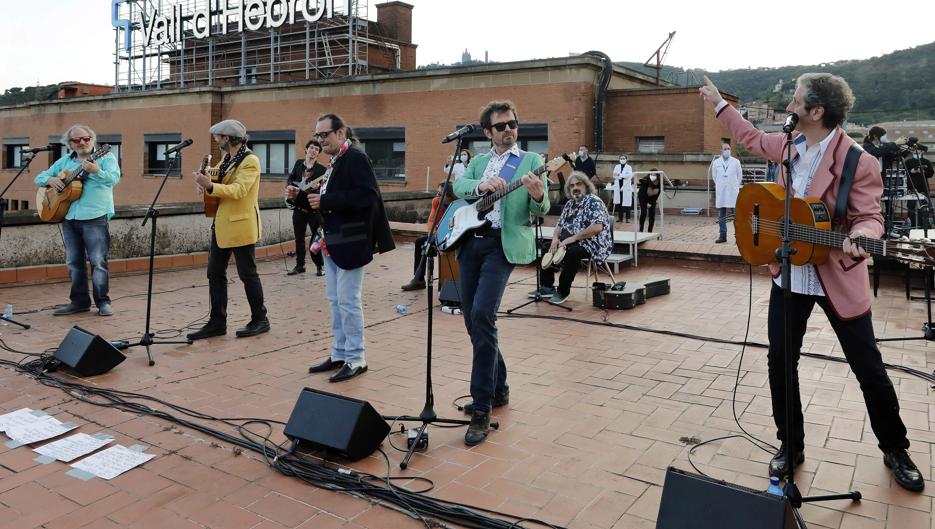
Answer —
517 235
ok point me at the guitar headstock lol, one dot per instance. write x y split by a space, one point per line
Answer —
918 252
205 163
100 152
558 162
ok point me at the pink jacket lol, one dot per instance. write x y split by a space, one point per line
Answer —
846 281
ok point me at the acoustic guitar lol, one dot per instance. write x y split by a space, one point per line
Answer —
53 205
463 217
211 202
758 223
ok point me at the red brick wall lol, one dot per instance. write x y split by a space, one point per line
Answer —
685 121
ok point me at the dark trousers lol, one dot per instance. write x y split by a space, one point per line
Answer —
300 220
87 241
574 253
484 275
418 263
647 207
722 221
245 258
860 349
624 211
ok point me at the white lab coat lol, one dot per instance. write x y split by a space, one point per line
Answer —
623 185
728 178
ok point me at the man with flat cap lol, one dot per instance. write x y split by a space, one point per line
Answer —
236 230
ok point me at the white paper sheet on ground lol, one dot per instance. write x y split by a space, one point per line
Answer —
72 447
46 428
110 463
20 417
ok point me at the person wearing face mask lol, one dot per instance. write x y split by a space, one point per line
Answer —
920 171
582 230
460 164
623 189
650 187
877 144
585 163
728 176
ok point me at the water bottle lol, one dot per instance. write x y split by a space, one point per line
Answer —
774 487
402 309
8 313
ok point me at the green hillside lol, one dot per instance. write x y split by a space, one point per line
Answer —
896 86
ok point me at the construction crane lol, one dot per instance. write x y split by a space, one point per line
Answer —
660 56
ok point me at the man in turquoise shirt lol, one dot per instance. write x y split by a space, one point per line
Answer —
85 228
487 256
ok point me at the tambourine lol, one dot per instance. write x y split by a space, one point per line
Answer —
553 258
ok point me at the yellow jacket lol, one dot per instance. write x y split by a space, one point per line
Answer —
238 219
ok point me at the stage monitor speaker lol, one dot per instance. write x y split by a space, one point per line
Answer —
87 353
348 427
450 293
691 501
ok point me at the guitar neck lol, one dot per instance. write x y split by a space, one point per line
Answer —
833 239
488 200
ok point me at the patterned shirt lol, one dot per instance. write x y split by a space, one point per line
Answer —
578 216
494 166
804 278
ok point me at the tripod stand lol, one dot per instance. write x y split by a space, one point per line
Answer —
784 253
3 204
538 295
428 415
148 339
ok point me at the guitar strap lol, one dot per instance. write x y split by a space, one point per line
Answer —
847 178
512 164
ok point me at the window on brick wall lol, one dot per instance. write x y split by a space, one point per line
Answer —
155 161
275 149
386 148
12 155
650 143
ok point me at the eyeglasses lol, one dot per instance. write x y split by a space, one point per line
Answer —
502 126
81 139
322 135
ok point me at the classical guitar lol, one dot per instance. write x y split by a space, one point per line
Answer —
758 223
211 202
53 205
463 216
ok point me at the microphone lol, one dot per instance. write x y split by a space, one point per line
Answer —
467 129
790 123
34 150
179 147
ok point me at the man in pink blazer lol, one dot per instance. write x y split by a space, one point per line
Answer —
841 285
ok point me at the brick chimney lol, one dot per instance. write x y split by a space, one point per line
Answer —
395 20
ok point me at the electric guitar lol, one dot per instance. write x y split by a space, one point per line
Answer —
463 216
53 205
301 200
758 223
211 202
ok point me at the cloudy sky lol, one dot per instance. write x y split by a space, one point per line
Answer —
48 41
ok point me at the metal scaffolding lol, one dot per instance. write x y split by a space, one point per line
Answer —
334 46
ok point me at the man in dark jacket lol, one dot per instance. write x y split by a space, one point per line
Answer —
355 227
585 163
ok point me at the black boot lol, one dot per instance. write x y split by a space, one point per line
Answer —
253 328
210 329
778 464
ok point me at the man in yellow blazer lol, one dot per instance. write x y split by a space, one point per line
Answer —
236 230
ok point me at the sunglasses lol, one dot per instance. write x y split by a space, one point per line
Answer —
502 126
322 135
82 139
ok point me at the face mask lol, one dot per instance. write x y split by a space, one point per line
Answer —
652 178
725 153
623 161
581 154
883 139
463 158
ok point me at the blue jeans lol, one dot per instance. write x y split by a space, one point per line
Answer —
722 221
484 275
87 239
347 314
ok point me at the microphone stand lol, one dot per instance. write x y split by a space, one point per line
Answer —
148 339
429 251
538 264
3 203
784 254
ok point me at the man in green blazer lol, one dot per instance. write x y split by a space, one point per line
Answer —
487 256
